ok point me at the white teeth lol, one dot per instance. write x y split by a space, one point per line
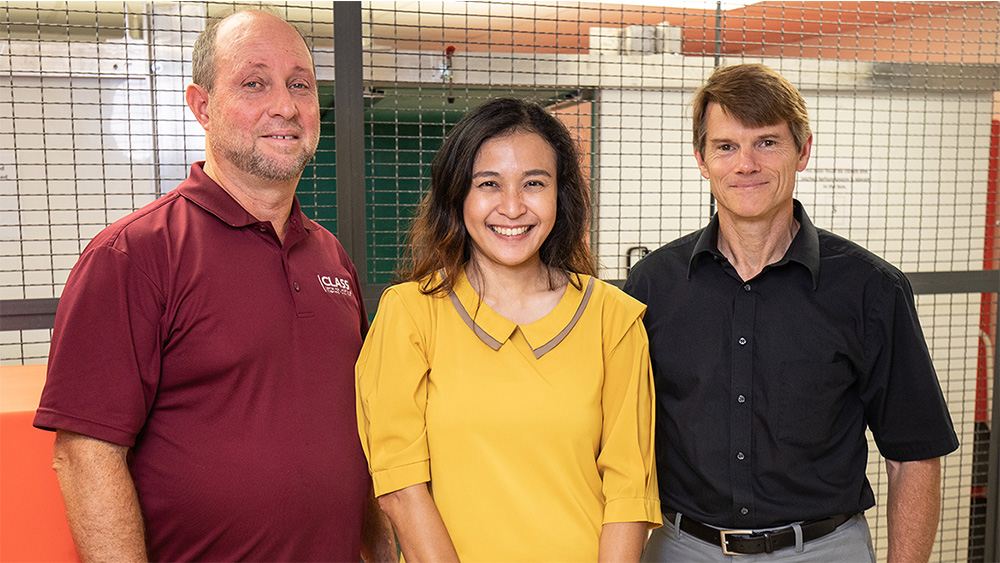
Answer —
282 136
510 231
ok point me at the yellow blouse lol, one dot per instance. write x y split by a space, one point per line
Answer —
531 437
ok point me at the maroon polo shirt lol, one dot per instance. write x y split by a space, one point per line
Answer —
225 360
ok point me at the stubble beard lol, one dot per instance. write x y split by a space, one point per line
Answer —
253 162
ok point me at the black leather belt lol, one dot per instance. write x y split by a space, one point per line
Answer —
748 542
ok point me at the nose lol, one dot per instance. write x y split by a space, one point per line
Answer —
282 104
511 205
746 161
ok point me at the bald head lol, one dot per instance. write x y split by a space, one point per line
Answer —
205 55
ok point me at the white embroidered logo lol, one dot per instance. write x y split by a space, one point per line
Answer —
340 286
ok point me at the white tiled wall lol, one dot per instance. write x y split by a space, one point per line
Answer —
78 157
904 174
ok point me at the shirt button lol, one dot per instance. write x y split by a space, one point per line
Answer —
741 399
746 287
740 456
742 341
296 285
262 228
744 510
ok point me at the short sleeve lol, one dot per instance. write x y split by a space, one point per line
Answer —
104 361
626 461
904 405
392 395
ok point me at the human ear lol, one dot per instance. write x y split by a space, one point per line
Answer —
701 164
197 99
804 154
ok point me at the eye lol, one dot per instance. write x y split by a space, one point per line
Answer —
725 147
251 84
535 184
487 184
299 86
768 143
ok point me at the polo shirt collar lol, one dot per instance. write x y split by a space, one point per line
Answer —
203 191
542 335
804 248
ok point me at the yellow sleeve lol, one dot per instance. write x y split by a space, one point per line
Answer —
391 392
627 462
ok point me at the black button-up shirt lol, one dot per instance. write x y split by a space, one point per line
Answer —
765 386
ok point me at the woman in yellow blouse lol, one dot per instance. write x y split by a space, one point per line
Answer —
505 401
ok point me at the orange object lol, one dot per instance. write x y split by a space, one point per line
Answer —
32 515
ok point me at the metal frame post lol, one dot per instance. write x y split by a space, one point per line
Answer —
349 115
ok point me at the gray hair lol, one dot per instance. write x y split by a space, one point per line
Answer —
203 57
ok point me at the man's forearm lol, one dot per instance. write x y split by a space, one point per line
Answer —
101 503
914 503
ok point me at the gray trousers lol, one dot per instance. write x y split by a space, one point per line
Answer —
850 542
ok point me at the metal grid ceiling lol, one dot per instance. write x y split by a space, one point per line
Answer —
902 99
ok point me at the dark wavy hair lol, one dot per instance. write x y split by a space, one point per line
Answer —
438 239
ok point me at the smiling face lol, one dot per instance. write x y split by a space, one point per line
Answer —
262 117
751 169
510 208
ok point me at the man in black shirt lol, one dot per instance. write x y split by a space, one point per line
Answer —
774 344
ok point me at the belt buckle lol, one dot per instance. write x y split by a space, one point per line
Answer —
724 541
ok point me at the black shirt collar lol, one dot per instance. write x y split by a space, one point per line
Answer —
804 248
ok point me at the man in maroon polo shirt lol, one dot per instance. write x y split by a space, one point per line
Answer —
201 375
